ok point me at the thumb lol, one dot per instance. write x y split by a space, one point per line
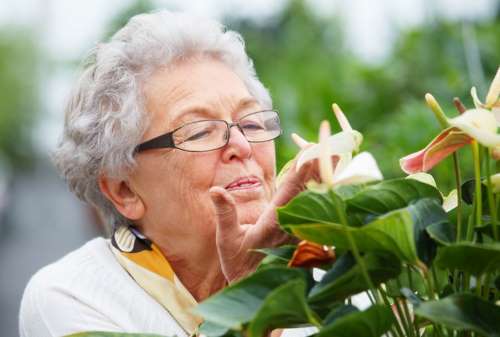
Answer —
225 211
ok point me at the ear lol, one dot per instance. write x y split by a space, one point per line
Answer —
125 200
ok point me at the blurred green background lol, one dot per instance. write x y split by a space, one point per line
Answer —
304 55
305 61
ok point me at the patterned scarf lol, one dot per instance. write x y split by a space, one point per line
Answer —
142 259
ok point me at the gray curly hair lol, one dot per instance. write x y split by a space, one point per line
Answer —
105 117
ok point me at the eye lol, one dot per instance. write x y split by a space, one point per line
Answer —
198 135
251 125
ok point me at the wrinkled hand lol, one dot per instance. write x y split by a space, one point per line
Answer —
234 240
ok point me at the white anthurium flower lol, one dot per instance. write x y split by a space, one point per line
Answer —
495 182
347 170
339 143
361 169
479 124
492 97
492 103
450 202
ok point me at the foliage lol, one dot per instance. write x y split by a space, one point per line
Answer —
397 240
18 96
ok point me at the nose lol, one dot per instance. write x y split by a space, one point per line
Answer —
237 147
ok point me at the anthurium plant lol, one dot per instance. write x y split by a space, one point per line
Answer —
381 257
426 263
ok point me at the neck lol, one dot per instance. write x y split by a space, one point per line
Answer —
197 267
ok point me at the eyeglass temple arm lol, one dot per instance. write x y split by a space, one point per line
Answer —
156 143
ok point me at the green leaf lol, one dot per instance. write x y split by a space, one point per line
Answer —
444 233
474 258
345 278
238 303
212 329
392 232
426 212
278 256
372 322
112 334
284 252
311 207
284 307
408 278
338 312
463 312
389 195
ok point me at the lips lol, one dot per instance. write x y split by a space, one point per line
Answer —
243 183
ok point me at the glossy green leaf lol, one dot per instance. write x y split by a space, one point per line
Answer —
339 311
311 207
444 233
425 213
392 232
238 303
373 322
390 195
463 312
346 279
278 256
408 278
474 258
211 329
285 306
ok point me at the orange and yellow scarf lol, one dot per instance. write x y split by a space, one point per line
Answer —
142 259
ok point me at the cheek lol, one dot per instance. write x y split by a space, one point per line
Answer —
265 157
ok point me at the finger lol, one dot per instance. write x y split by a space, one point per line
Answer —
299 141
225 211
293 183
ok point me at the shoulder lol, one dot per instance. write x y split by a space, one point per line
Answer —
58 292
87 290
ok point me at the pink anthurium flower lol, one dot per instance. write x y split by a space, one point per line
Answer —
447 142
478 124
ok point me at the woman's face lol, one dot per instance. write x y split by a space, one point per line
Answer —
174 184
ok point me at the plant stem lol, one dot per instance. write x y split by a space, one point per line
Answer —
479 285
410 279
402 319
399 332
470 223
477 181
491 200
458 181
434 277
412 327
487 282
355 251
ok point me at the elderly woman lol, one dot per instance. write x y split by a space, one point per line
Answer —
169 134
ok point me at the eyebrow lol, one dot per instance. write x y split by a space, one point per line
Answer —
207 112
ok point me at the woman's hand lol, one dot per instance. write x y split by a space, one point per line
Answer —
234 240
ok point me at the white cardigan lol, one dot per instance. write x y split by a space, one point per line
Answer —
88 290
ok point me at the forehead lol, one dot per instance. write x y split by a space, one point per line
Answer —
194 88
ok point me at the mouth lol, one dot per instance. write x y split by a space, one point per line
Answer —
243 183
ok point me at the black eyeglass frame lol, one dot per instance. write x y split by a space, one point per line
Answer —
166 140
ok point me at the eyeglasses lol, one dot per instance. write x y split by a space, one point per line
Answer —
209 135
